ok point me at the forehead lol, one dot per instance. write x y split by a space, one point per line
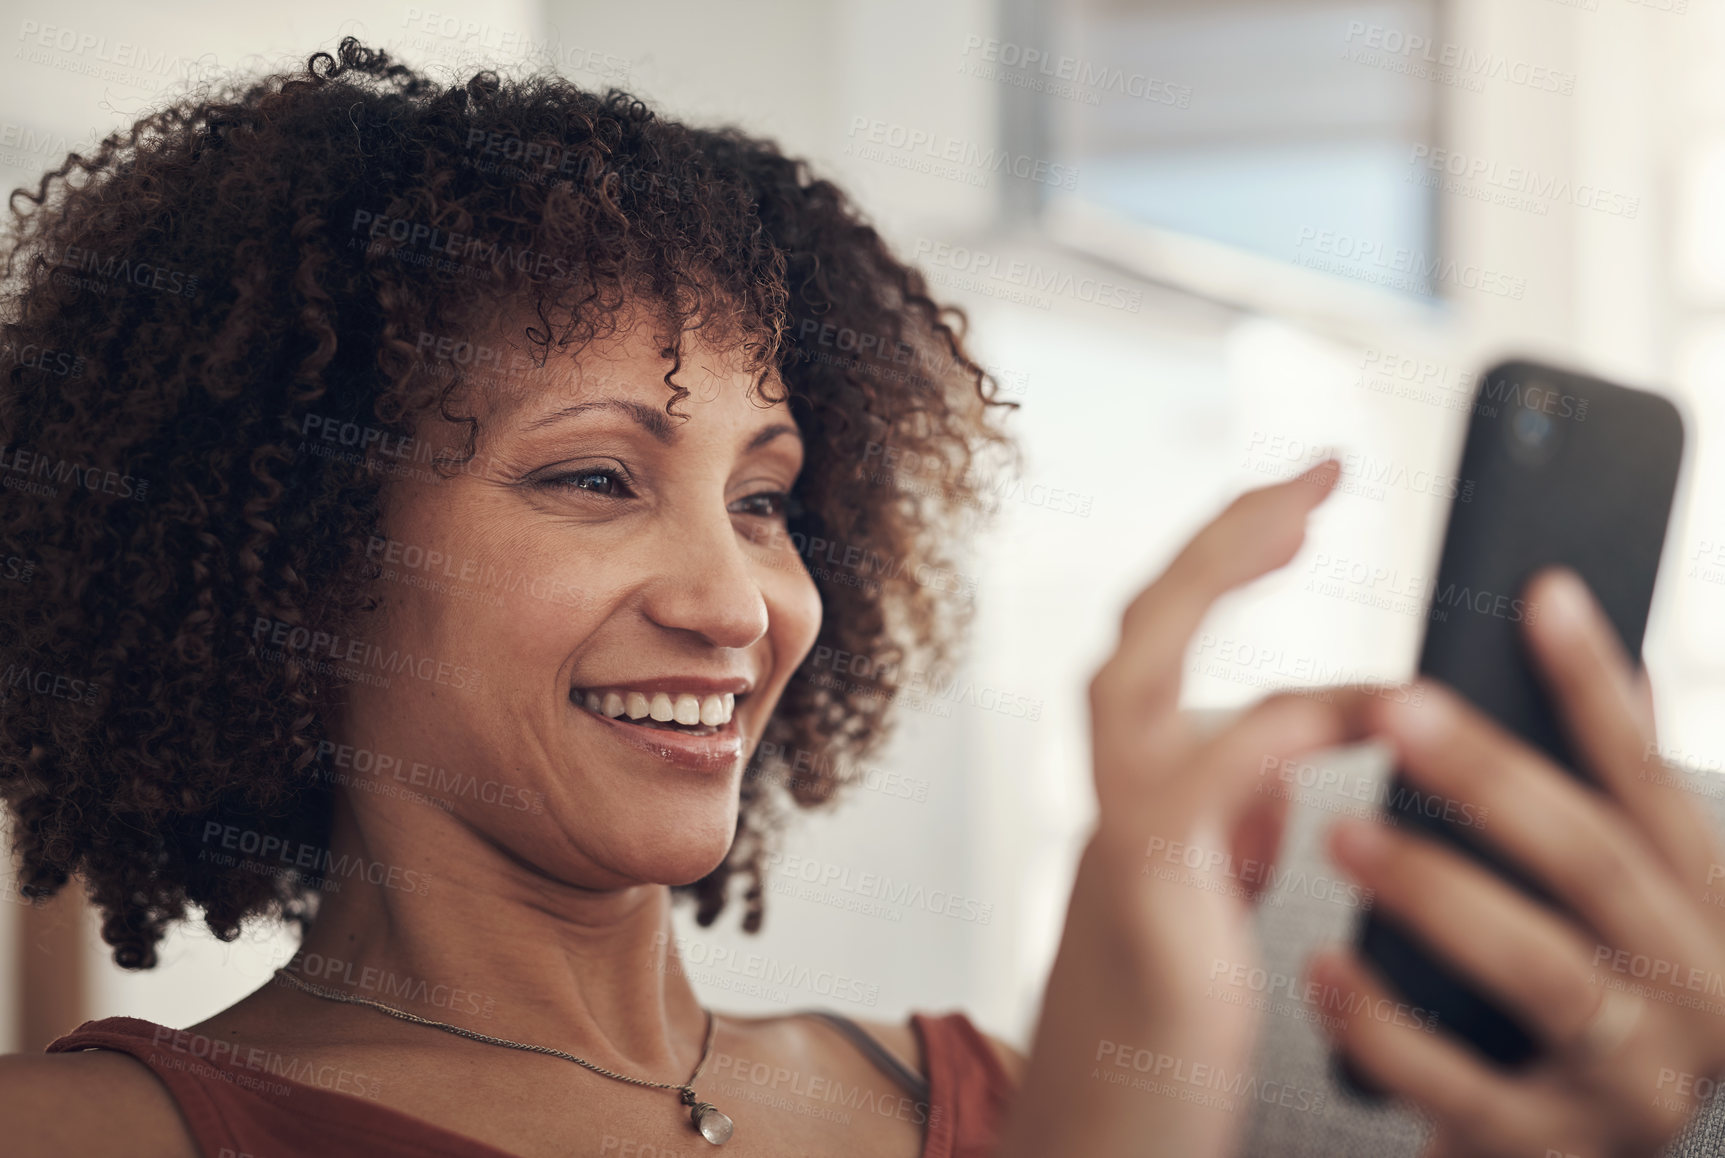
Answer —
629 364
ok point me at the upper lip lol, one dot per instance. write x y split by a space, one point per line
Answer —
695 685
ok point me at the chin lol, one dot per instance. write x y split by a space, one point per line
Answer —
682 870
679 849
697 858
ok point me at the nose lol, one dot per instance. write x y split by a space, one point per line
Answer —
707 584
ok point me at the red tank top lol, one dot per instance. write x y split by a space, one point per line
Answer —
240 1103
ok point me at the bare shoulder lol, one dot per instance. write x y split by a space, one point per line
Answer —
796 1035
1012 1059
899 1037
90 1102
902 1040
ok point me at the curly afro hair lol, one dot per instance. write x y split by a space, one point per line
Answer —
264 257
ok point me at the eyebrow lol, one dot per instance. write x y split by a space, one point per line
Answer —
653 420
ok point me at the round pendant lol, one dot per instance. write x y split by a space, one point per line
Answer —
714 1126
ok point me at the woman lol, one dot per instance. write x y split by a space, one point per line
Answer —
466 447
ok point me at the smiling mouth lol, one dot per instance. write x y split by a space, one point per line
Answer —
683 713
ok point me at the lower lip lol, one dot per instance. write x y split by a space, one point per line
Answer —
715 752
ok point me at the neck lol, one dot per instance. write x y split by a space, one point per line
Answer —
471 936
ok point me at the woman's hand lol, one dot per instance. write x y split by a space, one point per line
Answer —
1131 1049
1626 989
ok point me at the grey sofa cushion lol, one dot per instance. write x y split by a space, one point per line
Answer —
1298 1110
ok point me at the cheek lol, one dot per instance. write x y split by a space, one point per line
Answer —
794 610
506 604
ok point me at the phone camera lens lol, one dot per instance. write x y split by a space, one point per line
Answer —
1532 429
1530 432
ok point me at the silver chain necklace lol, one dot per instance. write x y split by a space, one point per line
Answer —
712 1125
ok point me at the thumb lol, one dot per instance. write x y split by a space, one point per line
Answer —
1225 776
1257 838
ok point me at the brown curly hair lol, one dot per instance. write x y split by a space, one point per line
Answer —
256 259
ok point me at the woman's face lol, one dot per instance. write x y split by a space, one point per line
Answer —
598 566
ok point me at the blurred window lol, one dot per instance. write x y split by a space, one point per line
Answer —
1261 126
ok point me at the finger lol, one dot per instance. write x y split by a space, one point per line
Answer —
1535 964
1258 839
1227 770
1467 1102
1565 835
1258 532
1594 685
1208 796
1644 697
1359 704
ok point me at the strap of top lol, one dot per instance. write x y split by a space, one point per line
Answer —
877 1053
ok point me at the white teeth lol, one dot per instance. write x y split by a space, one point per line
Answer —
685 707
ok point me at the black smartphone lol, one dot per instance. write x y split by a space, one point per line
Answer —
1558 467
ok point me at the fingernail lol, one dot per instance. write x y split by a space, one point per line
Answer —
1424 718
1359 844
1322 965
1565 599
1327 456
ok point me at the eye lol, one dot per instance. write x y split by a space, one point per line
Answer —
605 481
765 504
